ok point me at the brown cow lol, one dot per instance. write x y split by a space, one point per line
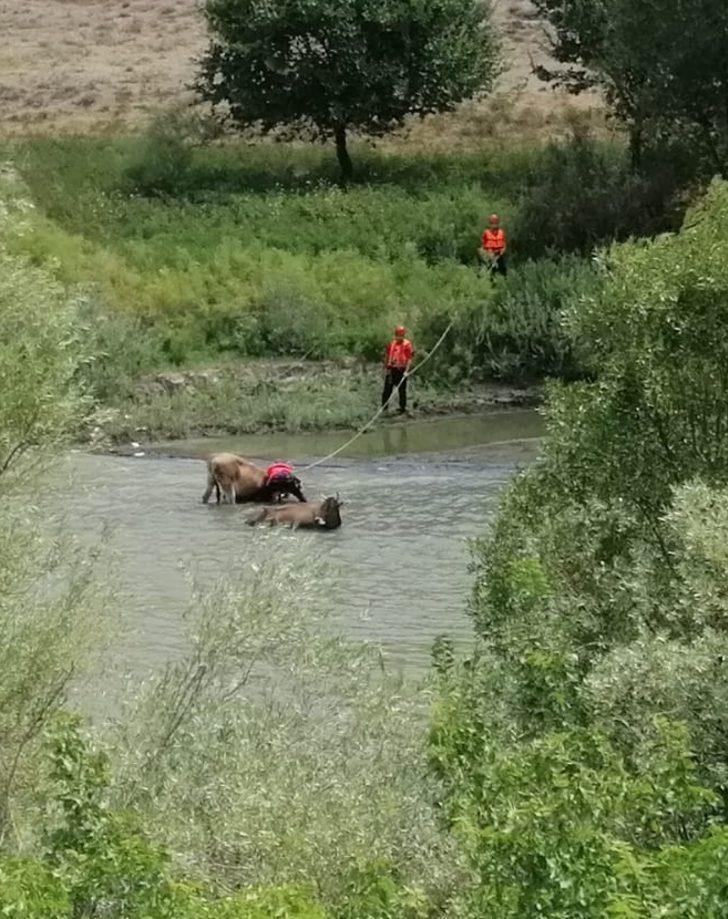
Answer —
236 477
320 514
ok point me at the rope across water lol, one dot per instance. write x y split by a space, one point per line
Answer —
375 416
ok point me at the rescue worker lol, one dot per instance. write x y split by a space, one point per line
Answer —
397 362
493 250
281 481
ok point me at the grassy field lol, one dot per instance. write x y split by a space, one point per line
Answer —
257 251
190 254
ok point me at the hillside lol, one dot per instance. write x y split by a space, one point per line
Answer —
94 65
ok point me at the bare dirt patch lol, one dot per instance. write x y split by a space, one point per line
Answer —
104 65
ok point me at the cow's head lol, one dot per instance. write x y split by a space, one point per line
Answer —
329 516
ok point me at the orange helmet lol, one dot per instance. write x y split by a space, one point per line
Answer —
494 218
400 331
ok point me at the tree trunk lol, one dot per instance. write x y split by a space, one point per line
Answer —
342 154
636 146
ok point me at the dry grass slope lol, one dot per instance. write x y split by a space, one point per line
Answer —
93 64
105 65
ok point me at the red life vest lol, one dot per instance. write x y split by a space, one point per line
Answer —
278 470
494 241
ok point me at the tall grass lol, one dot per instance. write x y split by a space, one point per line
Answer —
275 753
51 603
191 254
234 406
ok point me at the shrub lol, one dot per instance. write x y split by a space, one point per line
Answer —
516 331
582 749
40 356
162 161
271 751
582 194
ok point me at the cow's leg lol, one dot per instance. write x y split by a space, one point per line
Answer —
229 493
208 491
217 491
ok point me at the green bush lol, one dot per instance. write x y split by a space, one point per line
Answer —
516 331
40 357
582 747
162 162
582 194
374 890
99 862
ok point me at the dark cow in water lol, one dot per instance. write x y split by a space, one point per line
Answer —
323 515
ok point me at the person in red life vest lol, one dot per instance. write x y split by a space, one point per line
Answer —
281 481
397 363
493 249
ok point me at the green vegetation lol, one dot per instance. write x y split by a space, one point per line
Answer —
187 254
662 65
577 759
330 68
270 770
583 747
575 765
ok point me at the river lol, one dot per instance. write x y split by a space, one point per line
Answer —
414 495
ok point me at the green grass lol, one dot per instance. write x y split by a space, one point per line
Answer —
256 250
190 254
263 400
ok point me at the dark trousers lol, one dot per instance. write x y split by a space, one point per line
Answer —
283 485
495 266
498 266
395 377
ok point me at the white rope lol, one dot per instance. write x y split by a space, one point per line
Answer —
379 411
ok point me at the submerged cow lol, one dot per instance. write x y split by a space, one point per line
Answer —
237 478
321 514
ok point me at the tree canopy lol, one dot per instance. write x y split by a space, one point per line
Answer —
335 65
662 63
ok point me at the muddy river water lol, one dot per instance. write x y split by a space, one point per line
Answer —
415 494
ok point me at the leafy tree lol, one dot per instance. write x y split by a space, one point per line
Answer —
582 749
662 63
40 355
340 65
562 826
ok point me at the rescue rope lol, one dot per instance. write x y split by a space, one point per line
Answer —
375 416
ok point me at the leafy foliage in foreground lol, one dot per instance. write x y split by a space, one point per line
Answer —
98 861
40 357
583 746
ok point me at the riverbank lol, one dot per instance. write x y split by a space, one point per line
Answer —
267 396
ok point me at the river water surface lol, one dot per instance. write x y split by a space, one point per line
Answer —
415 494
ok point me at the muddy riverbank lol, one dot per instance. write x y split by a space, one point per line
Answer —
277 396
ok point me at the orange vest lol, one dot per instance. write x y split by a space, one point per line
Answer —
399 354
494 240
